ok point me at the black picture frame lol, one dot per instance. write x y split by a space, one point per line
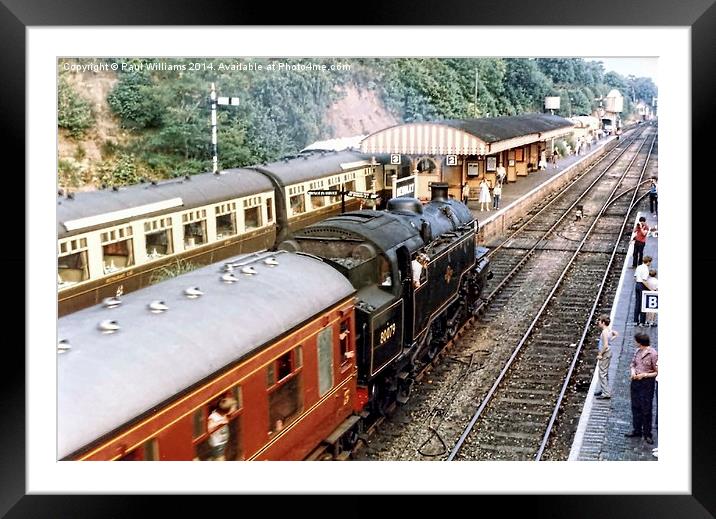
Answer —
699 15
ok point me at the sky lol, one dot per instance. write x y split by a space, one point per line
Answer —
639 67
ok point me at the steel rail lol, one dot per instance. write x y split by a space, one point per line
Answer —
588 322
559 196
531 251
528 333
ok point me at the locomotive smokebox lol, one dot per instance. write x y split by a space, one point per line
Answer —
439 191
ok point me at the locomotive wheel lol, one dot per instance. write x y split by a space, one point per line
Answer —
383 400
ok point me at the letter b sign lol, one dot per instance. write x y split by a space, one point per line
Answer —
649 301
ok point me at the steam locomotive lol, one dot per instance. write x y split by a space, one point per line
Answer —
402 320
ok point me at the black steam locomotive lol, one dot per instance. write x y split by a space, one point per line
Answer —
418 276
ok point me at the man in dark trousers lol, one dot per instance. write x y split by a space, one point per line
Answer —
640 233
640 276
643 370
653 197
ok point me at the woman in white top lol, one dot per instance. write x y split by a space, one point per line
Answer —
484 195
543 160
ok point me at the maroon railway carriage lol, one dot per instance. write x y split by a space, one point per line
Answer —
275 332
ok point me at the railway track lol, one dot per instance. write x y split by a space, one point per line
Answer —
516 415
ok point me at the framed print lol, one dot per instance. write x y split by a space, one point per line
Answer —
34 36
473 169
491 163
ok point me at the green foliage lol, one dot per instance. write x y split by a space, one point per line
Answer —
172 270
120 172
167 112
69 173
73 111
136 101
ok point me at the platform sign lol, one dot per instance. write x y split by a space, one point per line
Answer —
395 158
451 160
324 192
650 301
358 194
405 186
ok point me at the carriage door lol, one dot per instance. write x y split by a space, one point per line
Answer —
406 277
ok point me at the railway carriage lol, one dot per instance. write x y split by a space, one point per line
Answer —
118 238
138 377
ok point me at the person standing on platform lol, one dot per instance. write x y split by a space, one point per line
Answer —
484 195
555 156
643 371
543 160
604 355
653 197
640 276
496 194
501 174
641 231
465 193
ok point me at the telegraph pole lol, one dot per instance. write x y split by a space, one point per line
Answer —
233 101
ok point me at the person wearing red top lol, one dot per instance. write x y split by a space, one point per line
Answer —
640 233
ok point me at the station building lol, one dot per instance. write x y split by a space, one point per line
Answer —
462 150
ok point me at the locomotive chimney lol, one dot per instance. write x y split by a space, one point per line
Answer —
439 191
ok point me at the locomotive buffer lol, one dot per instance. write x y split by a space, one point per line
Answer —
343 194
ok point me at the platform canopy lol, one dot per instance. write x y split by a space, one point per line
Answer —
483 136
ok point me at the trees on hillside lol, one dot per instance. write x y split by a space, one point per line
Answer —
166 111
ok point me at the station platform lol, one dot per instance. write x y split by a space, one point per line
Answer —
514 192
601 428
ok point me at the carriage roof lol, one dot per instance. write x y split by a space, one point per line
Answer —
108 379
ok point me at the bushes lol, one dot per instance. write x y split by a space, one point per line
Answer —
134 99
73 111
121 172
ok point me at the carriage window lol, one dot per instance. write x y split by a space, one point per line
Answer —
285 403
117 249
72 263
345 343
325 360
284 363
285 399
217 430
194 228
269 210
198 422
225 220
225 225
298 204
194 234
159 243
318 201
252 217
148 451
337 198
